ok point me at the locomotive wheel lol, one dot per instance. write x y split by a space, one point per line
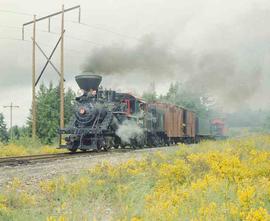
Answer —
106 148
74 147
73 150
117 142
98 148
140 146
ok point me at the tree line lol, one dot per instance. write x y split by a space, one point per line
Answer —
48 116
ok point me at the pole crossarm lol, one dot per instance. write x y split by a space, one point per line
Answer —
48 59
11 106
54 14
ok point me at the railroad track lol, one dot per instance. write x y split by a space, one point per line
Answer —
32 159
20 160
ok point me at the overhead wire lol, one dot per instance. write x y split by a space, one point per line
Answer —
67 36
79 23
15 12
42 43
14 39
9 27
55 33
104 29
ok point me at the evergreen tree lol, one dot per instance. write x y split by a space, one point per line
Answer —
16 133
48 112
69 105
3 129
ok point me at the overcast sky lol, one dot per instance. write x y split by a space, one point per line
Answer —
236 31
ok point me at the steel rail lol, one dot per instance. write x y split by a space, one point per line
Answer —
42 158
18 160
32 159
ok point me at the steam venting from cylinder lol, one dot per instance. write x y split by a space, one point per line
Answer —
88 81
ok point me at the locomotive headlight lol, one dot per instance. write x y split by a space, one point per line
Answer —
82 111
80 93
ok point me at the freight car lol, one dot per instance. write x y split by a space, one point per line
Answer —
106 118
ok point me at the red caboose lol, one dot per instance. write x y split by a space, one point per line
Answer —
218 127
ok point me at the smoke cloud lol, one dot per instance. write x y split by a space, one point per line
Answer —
228 64
218 73
147 56
129 130
214 72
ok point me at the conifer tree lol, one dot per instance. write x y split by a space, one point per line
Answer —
48 112
3 129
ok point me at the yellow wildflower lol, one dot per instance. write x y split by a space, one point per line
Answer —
260 214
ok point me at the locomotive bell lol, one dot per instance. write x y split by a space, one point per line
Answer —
88 81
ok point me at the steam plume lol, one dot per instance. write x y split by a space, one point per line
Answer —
129 130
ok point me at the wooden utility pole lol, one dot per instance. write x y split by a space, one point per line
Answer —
11 106
35 20
34 120
62 90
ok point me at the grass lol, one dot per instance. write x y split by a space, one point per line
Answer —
214 180
26 146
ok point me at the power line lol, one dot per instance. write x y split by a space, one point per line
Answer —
14 39
55 33
51 32
79 39
15 12
78 23
105 29
71 37
42 43
10 27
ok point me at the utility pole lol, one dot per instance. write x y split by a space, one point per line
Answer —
34 120
62 90
11 106
34 82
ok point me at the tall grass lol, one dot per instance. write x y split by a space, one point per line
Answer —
26 146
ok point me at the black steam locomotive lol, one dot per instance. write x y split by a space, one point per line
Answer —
106 118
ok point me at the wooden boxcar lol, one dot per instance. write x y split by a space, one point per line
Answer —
179 124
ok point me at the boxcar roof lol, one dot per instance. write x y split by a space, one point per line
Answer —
129 95
173 105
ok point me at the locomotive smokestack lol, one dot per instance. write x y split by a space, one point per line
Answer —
87 81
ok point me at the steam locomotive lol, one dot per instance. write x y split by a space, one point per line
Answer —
106 118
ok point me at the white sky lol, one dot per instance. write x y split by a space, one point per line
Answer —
240 26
